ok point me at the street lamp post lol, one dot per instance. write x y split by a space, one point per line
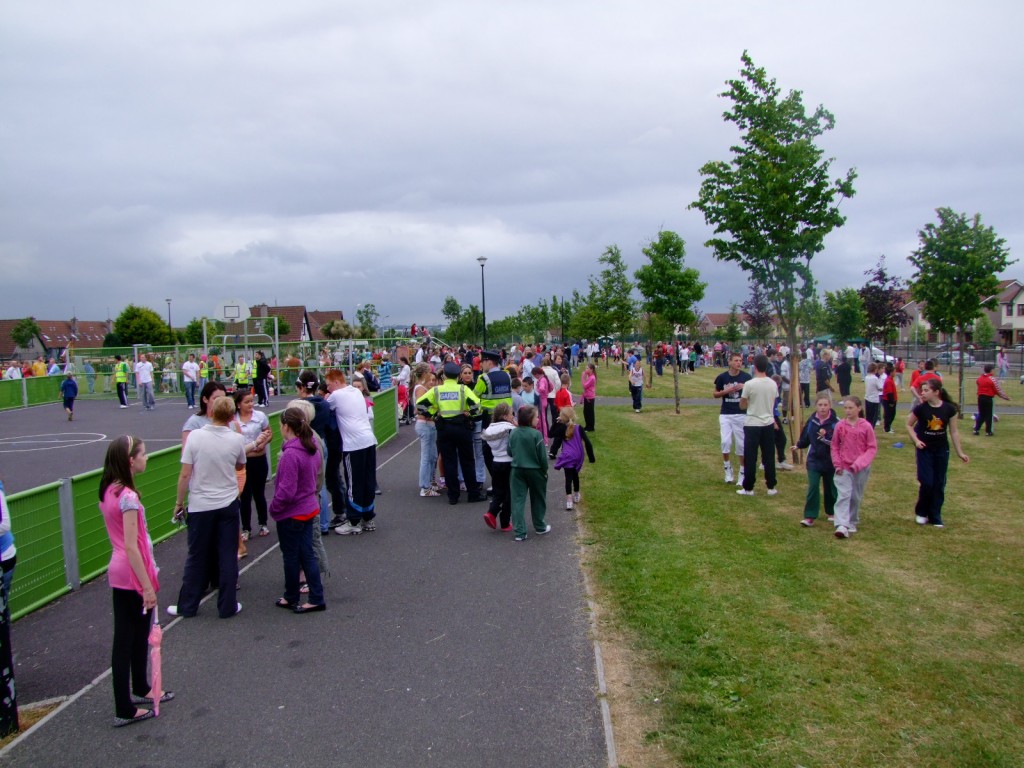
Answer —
170 330
483 296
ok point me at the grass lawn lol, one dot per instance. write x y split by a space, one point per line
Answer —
762 643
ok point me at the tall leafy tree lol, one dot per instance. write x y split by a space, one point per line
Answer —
956 273
843 314
732 330
758 310
24 331
884 296
984 331
670 289
192 333
614 293
366 320
141 325
774 202
451 309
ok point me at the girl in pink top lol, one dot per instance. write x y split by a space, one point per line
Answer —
853 449
589 381
133 579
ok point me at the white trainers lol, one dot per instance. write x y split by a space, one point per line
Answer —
784 465
742 492
568 502
740 481
547 529
773 491
576 497
920 520
172 610
728 473
347 529
842 532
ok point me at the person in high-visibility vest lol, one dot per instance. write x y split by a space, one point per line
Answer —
243 374
121 379
493 386
454 407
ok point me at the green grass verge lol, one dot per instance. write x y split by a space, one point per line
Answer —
777 645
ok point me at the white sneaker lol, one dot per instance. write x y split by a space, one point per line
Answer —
172 610
842 532
728 473
773 491
851 528
122 406
347 529
568 502
920 520
742 492
784 465
576 497
740 481
547 529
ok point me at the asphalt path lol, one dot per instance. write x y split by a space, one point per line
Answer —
444 643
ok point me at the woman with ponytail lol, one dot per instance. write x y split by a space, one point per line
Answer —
294 507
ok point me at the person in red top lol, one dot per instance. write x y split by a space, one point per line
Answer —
563 397
988 389
889 398
928 374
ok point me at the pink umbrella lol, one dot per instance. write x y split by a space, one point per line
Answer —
156 636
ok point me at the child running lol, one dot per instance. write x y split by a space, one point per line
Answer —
817 435
567 435
529 473
853 449
496 435
929 423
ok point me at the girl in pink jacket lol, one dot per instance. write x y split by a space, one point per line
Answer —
853 449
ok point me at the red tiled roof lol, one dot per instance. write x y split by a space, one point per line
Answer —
57 334
318 319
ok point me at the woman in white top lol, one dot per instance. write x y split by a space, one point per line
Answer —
872 394
209 461
251 424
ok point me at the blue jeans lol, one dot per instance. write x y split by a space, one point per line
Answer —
427 433
190 393
931 474
478 452
296 540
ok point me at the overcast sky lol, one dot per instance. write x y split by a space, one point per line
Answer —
335 153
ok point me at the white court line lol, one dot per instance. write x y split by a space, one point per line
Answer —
62 440
106 673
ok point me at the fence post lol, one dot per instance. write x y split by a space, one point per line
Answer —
24 393
68 535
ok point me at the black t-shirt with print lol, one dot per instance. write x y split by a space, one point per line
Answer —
731 402
932 426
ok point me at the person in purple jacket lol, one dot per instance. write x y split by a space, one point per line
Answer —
567 435
294 508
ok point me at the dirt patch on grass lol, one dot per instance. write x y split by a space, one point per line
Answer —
29 716
633 695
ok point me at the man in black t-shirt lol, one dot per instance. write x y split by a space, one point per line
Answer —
823 376
728 386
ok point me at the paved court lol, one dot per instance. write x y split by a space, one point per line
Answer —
444 643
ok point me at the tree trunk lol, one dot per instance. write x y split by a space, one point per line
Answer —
675 376
960 368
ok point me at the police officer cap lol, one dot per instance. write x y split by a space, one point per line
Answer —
493 355
451 370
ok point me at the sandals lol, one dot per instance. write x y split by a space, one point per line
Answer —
140 715
167 696
282 603
303 588
429 492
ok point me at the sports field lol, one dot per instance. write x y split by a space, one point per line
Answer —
735 637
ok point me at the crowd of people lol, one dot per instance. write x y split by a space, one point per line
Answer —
490 424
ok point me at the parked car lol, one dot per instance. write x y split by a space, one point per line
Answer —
953 358
880 357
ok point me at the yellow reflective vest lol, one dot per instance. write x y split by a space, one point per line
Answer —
121 372
449 400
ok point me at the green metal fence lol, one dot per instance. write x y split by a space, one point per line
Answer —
60 534
39 576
